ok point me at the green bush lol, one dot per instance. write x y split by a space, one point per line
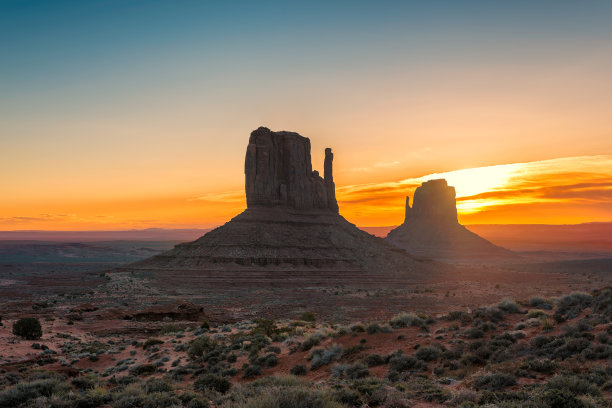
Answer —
571 305
157 385
400 362
509 306
321 357
28 327
494 381
212 382
151 343
143 369
298 369
573 384
539 303
24 392
291 397
473 333
427 353
561 399
200 346
407 320
374 360
252 371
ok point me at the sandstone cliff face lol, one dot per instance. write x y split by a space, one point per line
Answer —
278 173
431 228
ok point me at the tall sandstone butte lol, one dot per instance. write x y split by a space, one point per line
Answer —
278 172
431 228
291 221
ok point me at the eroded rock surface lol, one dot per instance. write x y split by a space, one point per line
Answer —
278 173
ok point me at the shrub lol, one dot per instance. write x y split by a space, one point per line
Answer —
561 399
407 320
494 381
400 362
308 317
571 305
473 333
200 346
356 371
143 369
375 328
28 327
547 325
544 366
151 342
373 360
573 384
536 314
266 327
157 385
298 369
24 392
269 360
427 353
459 315
251 371
212 382
539 303
321 357
509 306
294 397
310 342
429 391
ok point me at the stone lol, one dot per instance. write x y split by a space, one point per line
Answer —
435 200
278 173
431 229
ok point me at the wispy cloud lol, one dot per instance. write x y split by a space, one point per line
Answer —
565 182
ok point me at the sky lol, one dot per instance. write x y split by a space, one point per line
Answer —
136 114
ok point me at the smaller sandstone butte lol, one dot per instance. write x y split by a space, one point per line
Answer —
431 228
278 173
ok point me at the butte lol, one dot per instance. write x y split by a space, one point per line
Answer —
291 229
431 229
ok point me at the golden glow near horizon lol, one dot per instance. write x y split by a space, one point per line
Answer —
565 190
558 191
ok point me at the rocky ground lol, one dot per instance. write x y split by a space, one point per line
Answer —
537 352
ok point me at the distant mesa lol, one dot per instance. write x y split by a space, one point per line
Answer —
291 221
431 228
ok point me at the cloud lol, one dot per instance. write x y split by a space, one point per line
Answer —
235 196
562 183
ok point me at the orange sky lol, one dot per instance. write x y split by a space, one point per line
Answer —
118 115
565 190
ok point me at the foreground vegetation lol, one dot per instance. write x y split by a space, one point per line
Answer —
533 353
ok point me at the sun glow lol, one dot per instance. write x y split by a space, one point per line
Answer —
471 182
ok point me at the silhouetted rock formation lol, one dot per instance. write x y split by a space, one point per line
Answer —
431 228
291 221
278 172
434 200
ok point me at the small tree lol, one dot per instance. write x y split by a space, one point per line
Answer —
28 327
